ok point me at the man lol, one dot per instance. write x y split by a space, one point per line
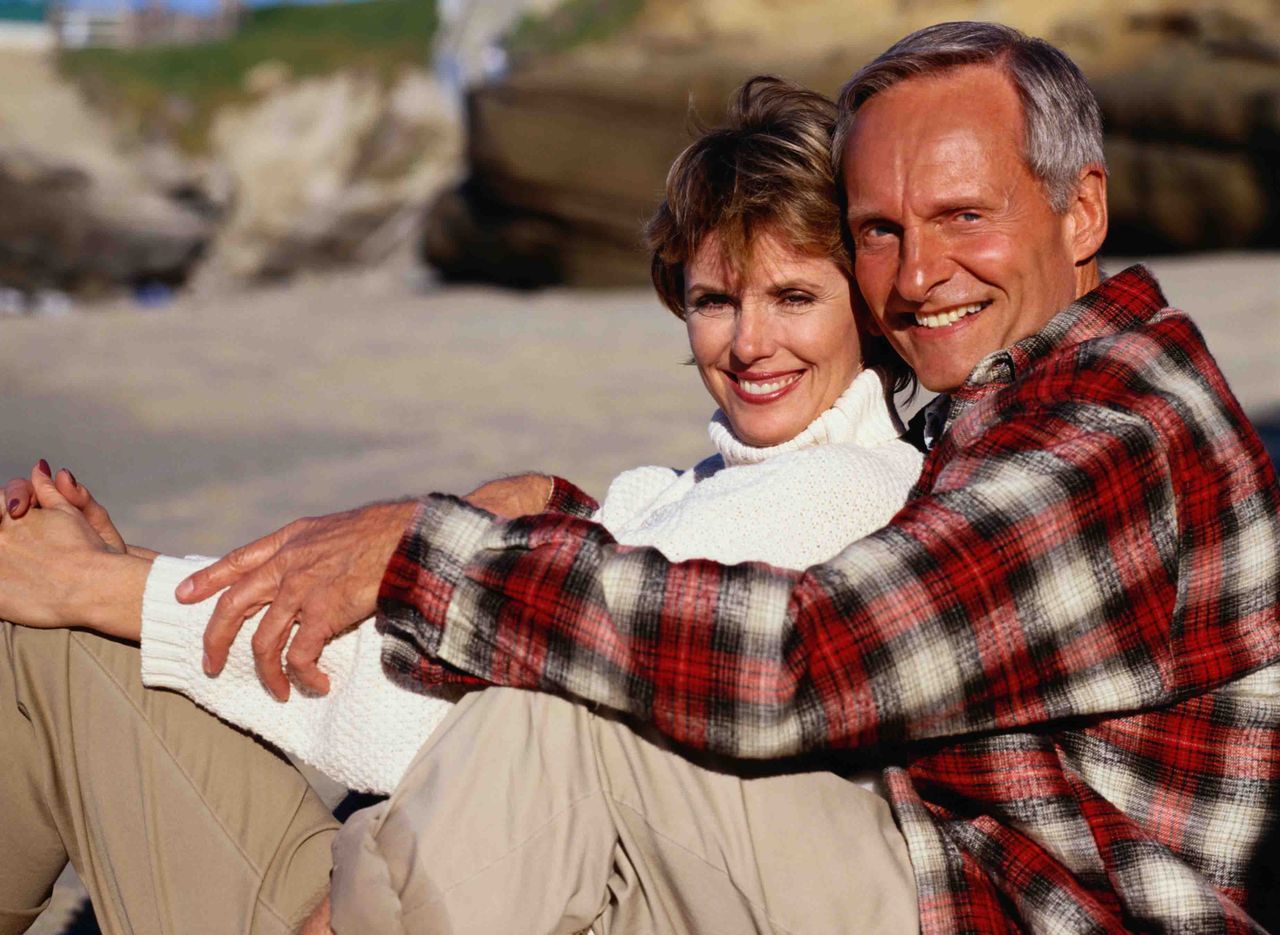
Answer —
1067 638
1065 643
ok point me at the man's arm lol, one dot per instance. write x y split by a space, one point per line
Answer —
1038 581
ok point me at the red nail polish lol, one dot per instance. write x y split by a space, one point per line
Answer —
13 505
44 468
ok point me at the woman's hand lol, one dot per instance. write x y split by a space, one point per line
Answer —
56 570
20 496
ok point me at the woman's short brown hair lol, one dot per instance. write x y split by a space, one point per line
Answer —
768 166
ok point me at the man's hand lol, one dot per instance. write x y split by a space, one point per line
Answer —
322 573
512 497
318 922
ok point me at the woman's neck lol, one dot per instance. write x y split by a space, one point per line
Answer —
861 415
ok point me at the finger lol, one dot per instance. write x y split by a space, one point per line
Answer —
268 646
227 570
47 493
238 603
94 512
71 491
304 654
18 497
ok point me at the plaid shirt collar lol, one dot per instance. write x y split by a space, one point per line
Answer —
1119 303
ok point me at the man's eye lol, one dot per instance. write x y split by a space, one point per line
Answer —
968 216
876 231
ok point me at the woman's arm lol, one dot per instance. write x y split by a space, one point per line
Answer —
57 571
363 732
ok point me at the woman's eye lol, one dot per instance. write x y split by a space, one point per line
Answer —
712 304
796 299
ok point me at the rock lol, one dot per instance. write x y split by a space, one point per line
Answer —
62 229
569 155
466 48
331 170
266 77
76 214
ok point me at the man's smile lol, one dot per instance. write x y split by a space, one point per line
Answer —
948 316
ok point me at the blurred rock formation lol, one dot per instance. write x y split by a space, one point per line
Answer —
568 156
75 215
330 170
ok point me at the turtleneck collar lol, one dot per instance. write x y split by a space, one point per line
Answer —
861 416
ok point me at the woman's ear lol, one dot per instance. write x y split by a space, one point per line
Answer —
1087 214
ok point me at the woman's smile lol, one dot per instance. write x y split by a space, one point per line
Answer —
760 388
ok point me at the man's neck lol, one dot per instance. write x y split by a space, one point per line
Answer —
1088 277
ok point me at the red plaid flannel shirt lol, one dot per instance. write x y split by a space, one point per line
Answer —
1063 647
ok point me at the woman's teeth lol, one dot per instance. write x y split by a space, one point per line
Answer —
755 388
949 317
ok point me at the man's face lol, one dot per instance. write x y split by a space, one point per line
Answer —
958 252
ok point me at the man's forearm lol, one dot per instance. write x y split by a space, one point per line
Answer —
979 608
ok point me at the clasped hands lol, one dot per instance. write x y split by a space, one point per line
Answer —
319 574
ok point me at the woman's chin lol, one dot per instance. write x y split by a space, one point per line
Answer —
765 432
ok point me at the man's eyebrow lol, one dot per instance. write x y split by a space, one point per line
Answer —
858 215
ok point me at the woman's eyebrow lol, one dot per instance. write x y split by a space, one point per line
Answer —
787 284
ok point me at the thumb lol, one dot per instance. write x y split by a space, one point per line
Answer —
47 493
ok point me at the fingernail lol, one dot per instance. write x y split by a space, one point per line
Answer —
43 466
184 590
13 505
208 664
72 477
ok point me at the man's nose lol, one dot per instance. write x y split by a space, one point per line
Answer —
753 337
923 263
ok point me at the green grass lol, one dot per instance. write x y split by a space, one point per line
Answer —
571 24
176 90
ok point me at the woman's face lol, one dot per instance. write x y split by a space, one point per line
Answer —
775 346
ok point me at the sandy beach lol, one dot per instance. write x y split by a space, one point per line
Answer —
215 419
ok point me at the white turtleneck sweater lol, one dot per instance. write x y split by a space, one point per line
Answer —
792 505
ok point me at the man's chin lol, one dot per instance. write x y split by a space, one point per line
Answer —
941 379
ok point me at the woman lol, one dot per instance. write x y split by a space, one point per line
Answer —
747 251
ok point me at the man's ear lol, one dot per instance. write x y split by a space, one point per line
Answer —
1087 214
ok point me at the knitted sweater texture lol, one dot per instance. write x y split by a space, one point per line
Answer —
792 505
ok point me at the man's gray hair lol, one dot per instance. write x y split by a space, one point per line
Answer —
1062 125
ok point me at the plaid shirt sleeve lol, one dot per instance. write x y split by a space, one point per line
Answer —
566 498
1037 579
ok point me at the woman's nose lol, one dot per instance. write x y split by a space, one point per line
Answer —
753 334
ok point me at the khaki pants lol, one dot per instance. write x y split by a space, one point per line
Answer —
525 813
175 821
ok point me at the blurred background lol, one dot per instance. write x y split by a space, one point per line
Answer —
259 260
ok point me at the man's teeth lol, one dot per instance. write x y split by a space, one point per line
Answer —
754 388
949 317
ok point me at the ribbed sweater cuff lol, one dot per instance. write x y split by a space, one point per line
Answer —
172 633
